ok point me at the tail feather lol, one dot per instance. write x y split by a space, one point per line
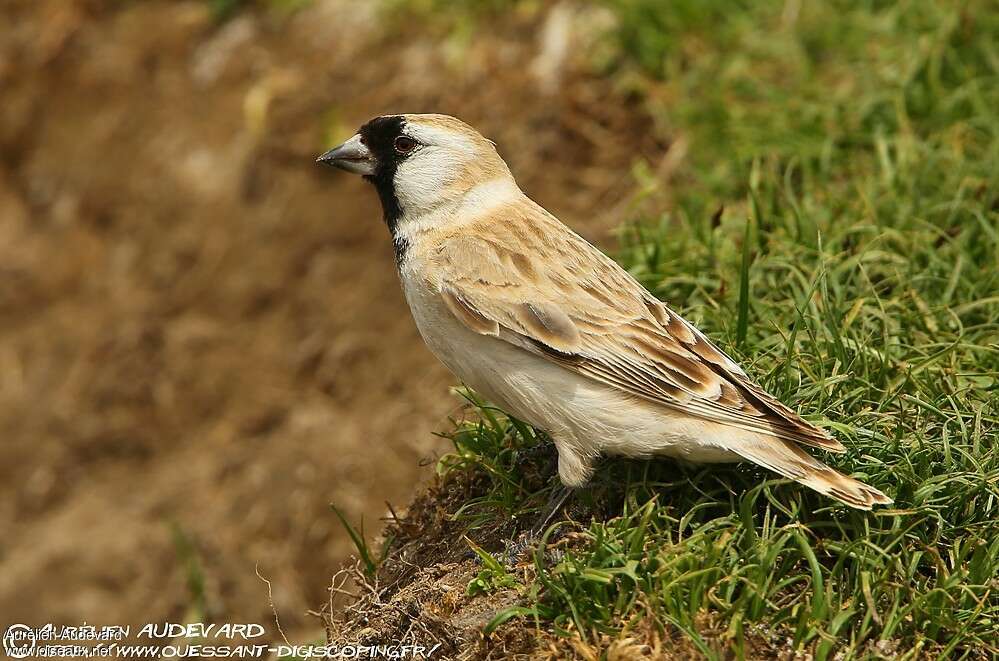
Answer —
787 459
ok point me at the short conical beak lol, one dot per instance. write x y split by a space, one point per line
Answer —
352 156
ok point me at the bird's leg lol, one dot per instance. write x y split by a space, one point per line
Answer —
517 549
555 502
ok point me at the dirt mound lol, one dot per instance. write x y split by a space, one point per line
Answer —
420 593
202 341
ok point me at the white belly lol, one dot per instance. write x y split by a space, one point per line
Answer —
594 418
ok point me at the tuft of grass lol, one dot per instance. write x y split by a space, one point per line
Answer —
495 444
855 271
357 537
493 575
187 553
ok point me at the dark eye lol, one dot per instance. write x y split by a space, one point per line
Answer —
404 144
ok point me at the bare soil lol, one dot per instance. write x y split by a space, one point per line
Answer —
202 340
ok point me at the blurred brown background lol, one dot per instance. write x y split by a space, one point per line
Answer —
202 340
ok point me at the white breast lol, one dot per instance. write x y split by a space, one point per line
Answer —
484 363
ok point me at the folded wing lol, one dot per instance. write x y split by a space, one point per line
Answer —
599 322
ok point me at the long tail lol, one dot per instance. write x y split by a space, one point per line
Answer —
786 458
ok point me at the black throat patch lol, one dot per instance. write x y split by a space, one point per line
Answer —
379 136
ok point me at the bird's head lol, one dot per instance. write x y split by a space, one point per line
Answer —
419 163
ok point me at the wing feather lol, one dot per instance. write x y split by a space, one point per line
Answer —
587 314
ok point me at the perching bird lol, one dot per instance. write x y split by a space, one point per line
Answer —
540 322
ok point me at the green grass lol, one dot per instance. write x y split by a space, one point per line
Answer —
854 147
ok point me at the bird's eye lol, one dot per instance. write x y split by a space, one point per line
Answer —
404 144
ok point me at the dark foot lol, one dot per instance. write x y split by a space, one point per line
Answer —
516 551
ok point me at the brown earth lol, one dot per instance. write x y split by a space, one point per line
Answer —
202 341
419 593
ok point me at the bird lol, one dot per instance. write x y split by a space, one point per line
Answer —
537 320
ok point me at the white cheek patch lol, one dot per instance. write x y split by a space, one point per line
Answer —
422 179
